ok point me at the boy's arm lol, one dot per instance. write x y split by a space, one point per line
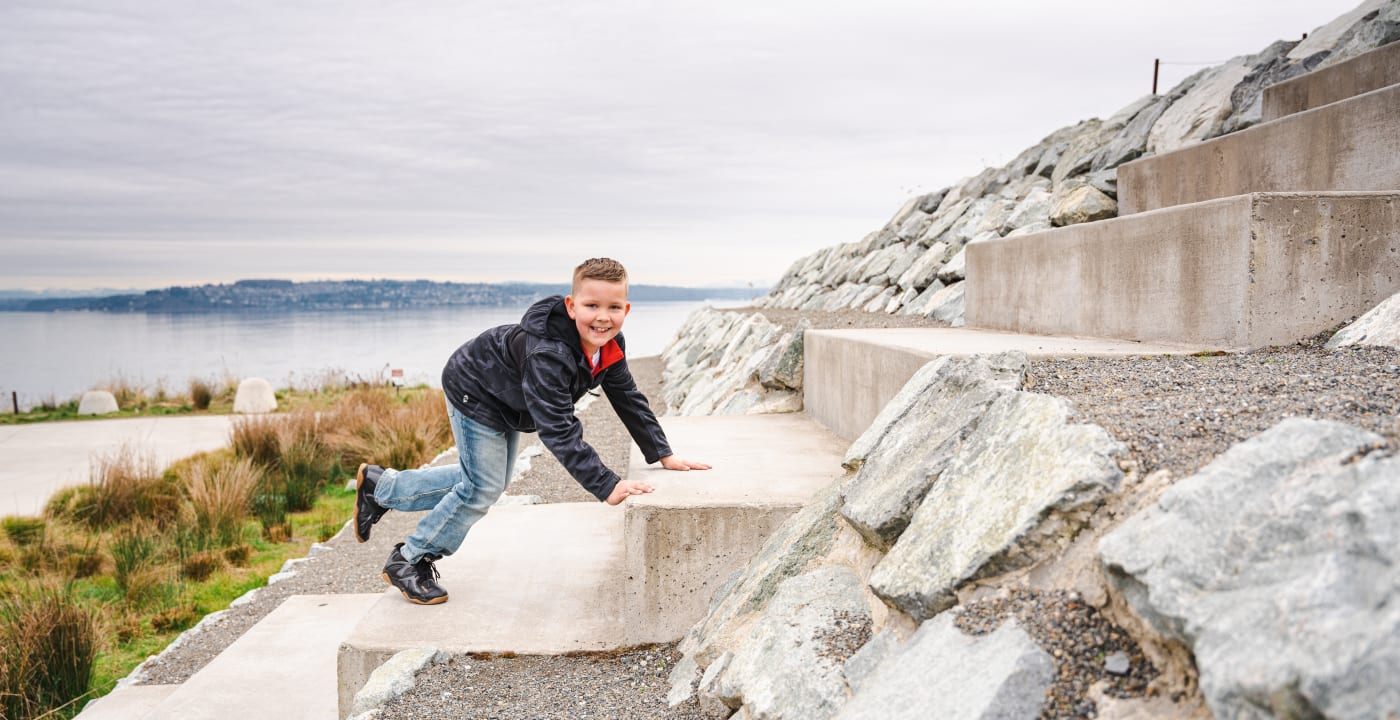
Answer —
635 412
547 396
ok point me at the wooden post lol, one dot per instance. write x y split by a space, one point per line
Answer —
1156 65
14 398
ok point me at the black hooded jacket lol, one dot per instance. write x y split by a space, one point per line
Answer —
527 377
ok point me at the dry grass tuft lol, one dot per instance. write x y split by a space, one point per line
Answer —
201 394
124 484
372 425
47 646
221 496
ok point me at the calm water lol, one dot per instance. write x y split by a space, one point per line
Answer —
61 355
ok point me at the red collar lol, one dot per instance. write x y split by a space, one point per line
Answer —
608 355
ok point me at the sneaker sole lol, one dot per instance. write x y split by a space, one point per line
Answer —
359 480
410 598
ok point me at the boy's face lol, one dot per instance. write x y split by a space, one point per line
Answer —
598 308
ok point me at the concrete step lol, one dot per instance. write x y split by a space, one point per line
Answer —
131 702
1351 145
1236 273
548 579
1366 72
851 374
284 666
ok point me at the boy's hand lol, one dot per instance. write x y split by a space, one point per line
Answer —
671 462
625 488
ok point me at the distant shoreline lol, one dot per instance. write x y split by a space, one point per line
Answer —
352 295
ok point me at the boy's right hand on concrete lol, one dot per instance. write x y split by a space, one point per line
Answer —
627 487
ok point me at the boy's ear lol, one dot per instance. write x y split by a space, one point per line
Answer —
569 306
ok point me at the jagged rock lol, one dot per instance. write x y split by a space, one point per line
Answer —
395 677
1034 208
1278 566
878 303
964 229
867 293
916 434
901 300
924 269
1046 167
1088 136
998 211
1106 182
1379 326
789 551
254 395
1083 204
1131 141
947 215
1023 472
685 675
97 402
929 203
942 673
1266 68
1126 113
842 296
1200 113
1334 37
948 304
783 369
790 665
1031 229
907 210
956 267
923 304
914 225
861 667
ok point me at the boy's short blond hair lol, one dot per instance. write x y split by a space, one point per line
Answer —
606 269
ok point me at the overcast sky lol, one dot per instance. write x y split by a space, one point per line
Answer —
145 144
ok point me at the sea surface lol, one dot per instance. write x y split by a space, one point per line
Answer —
60 355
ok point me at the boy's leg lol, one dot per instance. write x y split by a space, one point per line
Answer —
422 488
485 460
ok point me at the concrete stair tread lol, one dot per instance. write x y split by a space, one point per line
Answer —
130 702
284 666
851 374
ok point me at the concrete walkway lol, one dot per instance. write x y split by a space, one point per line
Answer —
36 460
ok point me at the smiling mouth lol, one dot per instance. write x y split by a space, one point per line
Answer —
600 331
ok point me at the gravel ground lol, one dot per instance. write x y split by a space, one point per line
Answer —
1174 413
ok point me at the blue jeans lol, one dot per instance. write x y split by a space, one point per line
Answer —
458 495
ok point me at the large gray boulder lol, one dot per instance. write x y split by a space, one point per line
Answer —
1022 473
790 665
949 304
1379 326
1278 565
254 395
918 432
1083 204
1131 141
1199 113
942 673
798 543
783 369
97 402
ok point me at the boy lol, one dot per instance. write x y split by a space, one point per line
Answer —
508 380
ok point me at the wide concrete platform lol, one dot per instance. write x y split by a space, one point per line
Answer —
1366 72
1352 145
284 666
40 458
549 579
851 374
1238 273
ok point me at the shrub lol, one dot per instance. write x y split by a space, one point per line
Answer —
270 506
199 566
83 561
200 394
176 618
126 484
370 424
239 555
255 438
24 531
47 646
221 495
133 549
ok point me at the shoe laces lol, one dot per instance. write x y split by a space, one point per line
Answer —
426 567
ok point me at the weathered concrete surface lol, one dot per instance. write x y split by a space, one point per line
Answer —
1243 272
698 527
301 635
942 673
1278 566
537 579
790 665
851 374
940 409
1352 145
38 459
1021 474
127 702
1359 75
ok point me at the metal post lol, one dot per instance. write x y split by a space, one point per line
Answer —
1156 65
14 398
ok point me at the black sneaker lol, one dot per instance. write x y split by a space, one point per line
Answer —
417 581
367 511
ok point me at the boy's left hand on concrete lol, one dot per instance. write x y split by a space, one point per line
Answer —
672 462
626 488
